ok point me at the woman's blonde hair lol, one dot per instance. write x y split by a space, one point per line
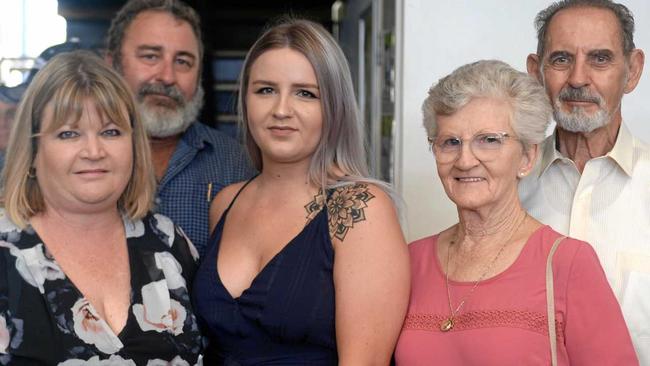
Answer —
65 83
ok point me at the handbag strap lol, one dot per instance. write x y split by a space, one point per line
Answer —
550 301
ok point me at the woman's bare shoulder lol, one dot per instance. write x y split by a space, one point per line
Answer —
222 200
349 206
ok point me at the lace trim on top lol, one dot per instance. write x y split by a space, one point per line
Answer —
527 320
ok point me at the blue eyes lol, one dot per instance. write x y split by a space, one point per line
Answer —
65 135
450 142
71 134
113 132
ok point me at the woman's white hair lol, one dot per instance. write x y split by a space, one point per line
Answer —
531 109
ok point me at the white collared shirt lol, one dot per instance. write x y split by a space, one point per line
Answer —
609 207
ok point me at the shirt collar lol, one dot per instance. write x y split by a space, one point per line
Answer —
549 153
622 152
196 136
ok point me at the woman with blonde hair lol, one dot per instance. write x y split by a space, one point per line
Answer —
87 273
307 263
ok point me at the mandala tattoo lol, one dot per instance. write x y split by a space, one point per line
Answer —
344 208
315 206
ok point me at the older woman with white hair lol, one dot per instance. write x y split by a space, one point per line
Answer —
490 289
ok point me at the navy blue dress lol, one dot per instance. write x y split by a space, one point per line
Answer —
286 316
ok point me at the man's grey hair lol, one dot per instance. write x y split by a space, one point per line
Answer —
623 14
530 107
130 11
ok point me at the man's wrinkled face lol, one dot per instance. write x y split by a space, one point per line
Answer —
584 69
160 62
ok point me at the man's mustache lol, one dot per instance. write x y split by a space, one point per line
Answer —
579 95
161 89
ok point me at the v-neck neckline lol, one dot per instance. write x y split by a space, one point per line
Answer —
219 229
80 296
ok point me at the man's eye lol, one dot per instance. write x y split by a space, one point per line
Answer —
601 59
560 60
149 56
64 135
184 62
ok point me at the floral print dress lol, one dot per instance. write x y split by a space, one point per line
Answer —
45 320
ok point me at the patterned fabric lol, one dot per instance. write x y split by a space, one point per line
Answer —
504 320
286 316
44 318
522 319
204 162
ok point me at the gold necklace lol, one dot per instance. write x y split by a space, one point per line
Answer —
448 324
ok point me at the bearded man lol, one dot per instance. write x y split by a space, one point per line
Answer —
156 45
592 179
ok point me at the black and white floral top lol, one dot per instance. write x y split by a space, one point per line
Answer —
44 318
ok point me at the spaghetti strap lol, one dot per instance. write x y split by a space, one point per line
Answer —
238 192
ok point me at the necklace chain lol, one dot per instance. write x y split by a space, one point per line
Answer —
448 323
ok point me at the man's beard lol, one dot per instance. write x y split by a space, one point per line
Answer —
167 118
577 120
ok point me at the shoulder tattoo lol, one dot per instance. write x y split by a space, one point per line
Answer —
345 207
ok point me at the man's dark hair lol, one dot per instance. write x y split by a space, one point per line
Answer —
623 14
131 9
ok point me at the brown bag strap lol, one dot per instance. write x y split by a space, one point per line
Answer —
550 301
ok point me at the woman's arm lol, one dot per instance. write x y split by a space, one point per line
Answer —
595 331
371 274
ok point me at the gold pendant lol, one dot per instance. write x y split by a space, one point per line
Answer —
447 325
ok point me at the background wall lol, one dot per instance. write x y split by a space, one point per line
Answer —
435 37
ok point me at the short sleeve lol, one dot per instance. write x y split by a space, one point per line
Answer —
595 331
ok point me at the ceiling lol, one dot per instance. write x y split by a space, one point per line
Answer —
227 24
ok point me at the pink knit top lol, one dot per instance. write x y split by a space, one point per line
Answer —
504 321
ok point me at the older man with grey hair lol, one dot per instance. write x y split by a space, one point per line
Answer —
592 181
156 45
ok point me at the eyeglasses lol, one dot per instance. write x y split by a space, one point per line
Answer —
485 146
